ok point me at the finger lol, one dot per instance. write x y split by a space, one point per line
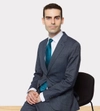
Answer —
32 97
36 94
29 100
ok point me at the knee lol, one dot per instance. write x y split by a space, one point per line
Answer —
22 109
27 107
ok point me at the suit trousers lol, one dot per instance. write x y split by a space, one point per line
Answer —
37 107
42 106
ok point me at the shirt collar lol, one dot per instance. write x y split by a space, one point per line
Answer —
57 37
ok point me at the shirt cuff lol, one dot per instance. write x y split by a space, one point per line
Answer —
42 97
31 89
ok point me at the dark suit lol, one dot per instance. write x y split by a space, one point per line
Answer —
60 76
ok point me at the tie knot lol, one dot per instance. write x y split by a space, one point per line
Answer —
50 40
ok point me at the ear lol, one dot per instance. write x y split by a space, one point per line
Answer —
43 20
62 20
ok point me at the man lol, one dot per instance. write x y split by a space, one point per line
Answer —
52 86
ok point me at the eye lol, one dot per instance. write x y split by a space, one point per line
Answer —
48 18
57 18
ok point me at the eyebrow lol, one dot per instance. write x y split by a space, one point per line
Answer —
51 16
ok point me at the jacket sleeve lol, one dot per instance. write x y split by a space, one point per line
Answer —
38 73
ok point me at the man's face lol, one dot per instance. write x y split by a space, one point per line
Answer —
52 21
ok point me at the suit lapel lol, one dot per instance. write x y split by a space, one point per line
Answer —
43 57
58 50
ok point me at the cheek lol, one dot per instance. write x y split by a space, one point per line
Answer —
59 24
46 24
46 27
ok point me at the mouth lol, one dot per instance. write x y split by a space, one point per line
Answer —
53 27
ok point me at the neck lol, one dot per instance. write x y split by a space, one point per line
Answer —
53 34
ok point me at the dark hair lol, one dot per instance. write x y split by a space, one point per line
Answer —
52 6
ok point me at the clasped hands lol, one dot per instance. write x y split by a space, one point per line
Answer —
33 97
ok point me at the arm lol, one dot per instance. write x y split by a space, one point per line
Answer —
38 73
32 95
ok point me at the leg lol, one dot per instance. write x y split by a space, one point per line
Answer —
44 106
28 107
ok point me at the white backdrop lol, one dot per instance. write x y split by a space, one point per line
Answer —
21 30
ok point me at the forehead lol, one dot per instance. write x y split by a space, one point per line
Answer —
52 12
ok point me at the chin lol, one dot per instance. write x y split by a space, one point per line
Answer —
53 32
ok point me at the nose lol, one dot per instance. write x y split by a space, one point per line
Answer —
52 21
